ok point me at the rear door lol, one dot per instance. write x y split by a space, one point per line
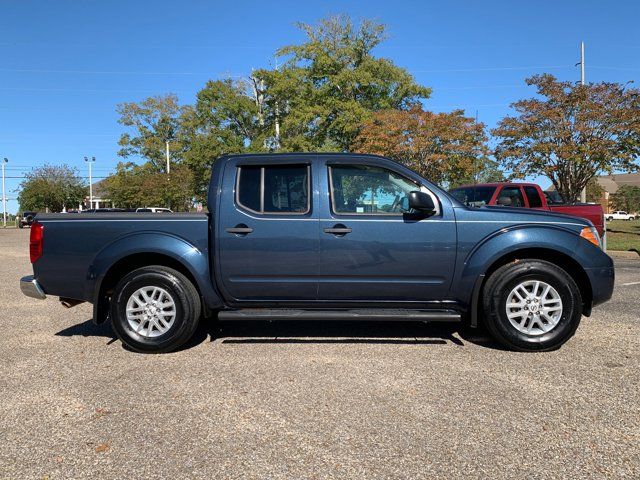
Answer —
267 230
370 248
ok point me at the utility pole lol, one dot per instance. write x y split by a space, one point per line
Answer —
277 115
475 171
167 152
4 197
93 159
583 194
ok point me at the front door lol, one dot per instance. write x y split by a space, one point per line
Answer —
267 232
371 248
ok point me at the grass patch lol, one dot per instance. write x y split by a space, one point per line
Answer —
623 235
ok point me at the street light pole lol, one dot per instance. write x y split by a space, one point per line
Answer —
93 159
168 158
583 193
4 197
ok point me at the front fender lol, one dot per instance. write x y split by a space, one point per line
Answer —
507 241
149 242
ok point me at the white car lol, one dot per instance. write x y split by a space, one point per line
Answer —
153 210
619 215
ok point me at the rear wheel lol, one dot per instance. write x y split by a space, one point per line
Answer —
609 219
155 309
532 305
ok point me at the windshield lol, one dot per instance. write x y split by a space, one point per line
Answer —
474 196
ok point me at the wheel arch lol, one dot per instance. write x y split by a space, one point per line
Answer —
563 260
146 249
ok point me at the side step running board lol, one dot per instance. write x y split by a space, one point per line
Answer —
366 315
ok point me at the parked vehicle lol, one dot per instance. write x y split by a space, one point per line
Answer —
153 210
526 195
324 236
105 210
26 219
620 215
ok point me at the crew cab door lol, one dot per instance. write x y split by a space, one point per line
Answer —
267 231
373 250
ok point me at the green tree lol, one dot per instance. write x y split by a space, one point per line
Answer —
154 121
572 133
52 188
330 84
627 198
225 119
447 148
136 186
594 191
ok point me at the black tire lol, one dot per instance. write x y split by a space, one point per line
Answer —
498 288
609 219
20 224
184 295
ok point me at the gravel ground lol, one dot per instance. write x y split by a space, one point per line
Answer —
313 401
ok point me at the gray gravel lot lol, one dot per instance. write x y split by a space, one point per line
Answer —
313 401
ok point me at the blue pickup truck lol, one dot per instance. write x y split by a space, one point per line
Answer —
324 237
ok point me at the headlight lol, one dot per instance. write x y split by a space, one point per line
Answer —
591 234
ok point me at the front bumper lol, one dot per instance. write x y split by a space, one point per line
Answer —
602 281
31 288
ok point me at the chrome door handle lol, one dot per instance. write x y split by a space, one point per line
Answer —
240 229
338 229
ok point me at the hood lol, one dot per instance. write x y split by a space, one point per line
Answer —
524 215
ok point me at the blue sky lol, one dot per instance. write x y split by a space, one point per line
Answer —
66 64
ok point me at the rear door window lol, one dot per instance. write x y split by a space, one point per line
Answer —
533 197
272 189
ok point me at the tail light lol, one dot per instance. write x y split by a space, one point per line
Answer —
35 241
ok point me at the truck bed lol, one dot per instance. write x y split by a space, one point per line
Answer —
77 239
591 212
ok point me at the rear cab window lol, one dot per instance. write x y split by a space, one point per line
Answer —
274 189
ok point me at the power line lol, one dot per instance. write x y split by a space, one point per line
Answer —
486 69
79 176
76 90
129 72
614 68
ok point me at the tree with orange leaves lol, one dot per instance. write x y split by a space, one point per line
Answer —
446 148
571 133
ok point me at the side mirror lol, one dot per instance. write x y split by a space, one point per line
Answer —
421 202
504 201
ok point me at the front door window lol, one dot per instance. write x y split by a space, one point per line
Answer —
364 189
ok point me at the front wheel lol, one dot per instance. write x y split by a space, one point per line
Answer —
155 309
532 305
609 219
